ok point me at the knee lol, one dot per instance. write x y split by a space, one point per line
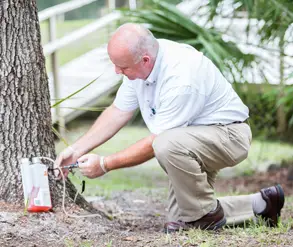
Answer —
165 144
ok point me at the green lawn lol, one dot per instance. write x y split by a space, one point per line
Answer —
144 176
263 153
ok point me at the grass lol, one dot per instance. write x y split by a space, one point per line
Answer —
262 154
150 175
127 179
253 235
145 176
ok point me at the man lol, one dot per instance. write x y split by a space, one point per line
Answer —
198 126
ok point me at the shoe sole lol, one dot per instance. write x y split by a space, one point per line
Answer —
215 227
218 225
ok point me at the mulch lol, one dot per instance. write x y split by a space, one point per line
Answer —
251 184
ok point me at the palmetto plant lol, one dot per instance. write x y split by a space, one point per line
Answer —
274 19
275 15
59 101
166 21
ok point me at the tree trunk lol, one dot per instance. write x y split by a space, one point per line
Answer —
25 114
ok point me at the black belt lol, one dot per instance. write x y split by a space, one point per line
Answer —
235 122
238 122
245 121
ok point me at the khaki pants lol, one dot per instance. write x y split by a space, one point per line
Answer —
192 157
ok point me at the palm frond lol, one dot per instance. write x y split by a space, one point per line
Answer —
166 21
76 92
92 109
57 133
277 15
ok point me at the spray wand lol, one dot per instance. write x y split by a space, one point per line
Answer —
64 190
71 166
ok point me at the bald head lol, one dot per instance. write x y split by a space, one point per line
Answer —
134 39
132 43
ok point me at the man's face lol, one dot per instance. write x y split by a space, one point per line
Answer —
131 70
125 65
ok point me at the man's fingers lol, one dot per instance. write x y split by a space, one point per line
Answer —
83 158
57 164
65 172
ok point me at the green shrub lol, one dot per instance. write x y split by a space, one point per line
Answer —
262 101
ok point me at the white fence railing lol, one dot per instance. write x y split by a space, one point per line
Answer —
54 44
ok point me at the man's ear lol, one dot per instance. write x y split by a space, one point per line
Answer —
146 59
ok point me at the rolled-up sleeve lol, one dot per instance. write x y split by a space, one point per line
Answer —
126 97
178 109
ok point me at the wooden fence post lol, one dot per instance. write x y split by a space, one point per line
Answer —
55 69
132 4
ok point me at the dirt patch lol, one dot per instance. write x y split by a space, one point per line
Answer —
251 184
138 217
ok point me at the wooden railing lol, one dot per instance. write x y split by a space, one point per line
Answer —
54 44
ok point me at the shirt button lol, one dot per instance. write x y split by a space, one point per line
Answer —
147 84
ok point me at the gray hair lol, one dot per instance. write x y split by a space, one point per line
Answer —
140 41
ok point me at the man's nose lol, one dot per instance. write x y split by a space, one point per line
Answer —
118 70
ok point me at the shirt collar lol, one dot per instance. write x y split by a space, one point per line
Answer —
153 76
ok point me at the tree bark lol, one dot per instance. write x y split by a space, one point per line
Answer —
25 121
25 113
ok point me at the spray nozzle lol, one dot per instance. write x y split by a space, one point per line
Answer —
71 166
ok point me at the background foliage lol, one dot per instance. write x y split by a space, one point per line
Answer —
274 16
166 21
261 101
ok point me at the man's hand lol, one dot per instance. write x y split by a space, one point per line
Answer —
67 157
89 166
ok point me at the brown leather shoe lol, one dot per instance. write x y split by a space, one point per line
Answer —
274 197
211 221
